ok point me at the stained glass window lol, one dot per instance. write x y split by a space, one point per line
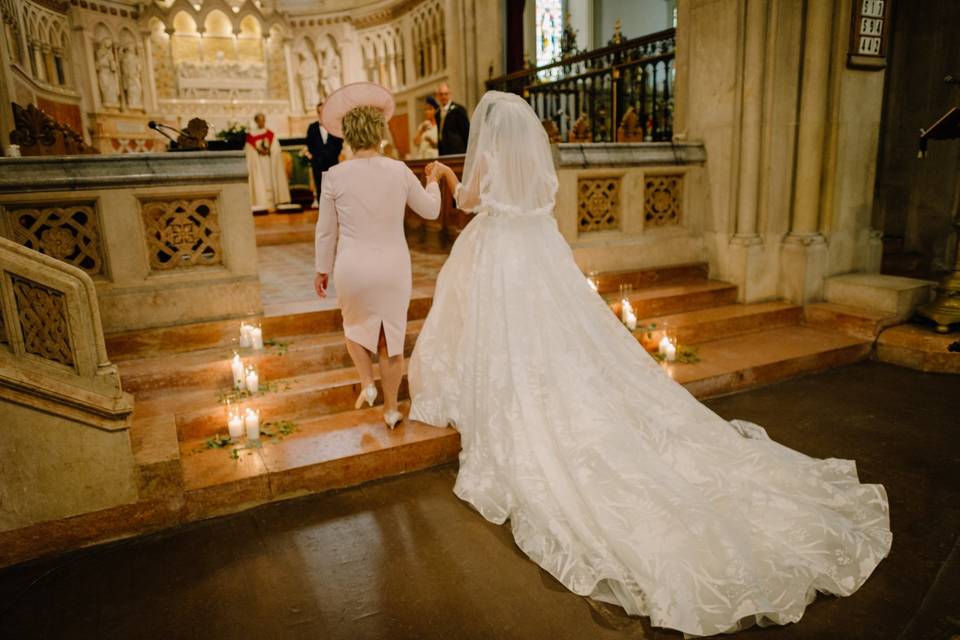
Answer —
549 30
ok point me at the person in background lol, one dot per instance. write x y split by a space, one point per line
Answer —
268 177
454 125
323 150
425 141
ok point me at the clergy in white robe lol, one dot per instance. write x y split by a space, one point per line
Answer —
268 178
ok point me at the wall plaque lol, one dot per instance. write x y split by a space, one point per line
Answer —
869 34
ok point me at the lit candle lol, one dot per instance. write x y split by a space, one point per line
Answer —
235 425
631 321
253 380
256 337
244 334
237 366
252 422
662 346
592 283
671 353
626 309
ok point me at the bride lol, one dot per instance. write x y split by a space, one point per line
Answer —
613 477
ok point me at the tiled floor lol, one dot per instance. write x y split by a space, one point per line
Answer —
287 271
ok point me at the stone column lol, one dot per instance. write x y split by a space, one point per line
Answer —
746 249
804 257
150 87
292 83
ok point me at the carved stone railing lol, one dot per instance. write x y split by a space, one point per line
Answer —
618 93
52 353
632 205
65 445
167 238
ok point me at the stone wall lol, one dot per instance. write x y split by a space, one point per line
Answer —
791 136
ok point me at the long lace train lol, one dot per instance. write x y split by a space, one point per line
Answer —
613 477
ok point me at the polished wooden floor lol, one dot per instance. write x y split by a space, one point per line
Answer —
403 558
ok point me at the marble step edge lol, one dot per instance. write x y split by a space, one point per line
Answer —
210 366
136 344
854 321
712 323
777 370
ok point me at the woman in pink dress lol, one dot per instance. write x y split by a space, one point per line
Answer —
360 238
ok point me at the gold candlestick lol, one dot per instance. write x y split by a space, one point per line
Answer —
945 308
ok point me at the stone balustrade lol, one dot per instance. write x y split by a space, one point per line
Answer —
64 434
631 205
167 238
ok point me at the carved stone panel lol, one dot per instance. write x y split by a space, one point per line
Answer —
598 204
663 200
70 233
42 315
182 233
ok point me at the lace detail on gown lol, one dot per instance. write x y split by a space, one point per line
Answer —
614 478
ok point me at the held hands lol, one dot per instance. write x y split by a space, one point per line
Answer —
436 170
320 282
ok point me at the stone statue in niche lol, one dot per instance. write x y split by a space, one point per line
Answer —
132 84
332 79
309 74
106 63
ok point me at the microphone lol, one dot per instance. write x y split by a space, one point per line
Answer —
156 126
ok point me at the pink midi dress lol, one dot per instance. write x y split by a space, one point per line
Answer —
360 239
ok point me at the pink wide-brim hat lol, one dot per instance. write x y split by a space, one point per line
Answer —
355 94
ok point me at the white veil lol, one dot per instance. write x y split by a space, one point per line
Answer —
509 165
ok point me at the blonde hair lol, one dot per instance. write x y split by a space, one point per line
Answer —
363 127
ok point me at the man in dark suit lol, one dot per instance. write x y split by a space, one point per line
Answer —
453 125
323 150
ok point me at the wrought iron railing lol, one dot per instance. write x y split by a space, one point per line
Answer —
619 93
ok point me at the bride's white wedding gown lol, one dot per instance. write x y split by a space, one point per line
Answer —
614 478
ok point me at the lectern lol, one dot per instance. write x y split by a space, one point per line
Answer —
945 308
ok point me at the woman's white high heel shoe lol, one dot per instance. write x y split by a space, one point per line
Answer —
368 395
392 418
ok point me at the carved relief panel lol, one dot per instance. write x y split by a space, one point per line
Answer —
67 232
663 200
598 204
182 233
42 315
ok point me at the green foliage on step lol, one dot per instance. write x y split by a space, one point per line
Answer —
236 396
279 348
685 355
271 432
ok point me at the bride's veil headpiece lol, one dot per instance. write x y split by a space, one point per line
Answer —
509 164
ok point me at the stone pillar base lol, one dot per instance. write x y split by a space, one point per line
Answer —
746 264
803 267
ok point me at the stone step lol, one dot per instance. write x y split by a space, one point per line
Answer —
304 397
225 333
763 357
290 357
719 322
324 453
891 294
609 282
920 348
861 323
348 447
667 299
